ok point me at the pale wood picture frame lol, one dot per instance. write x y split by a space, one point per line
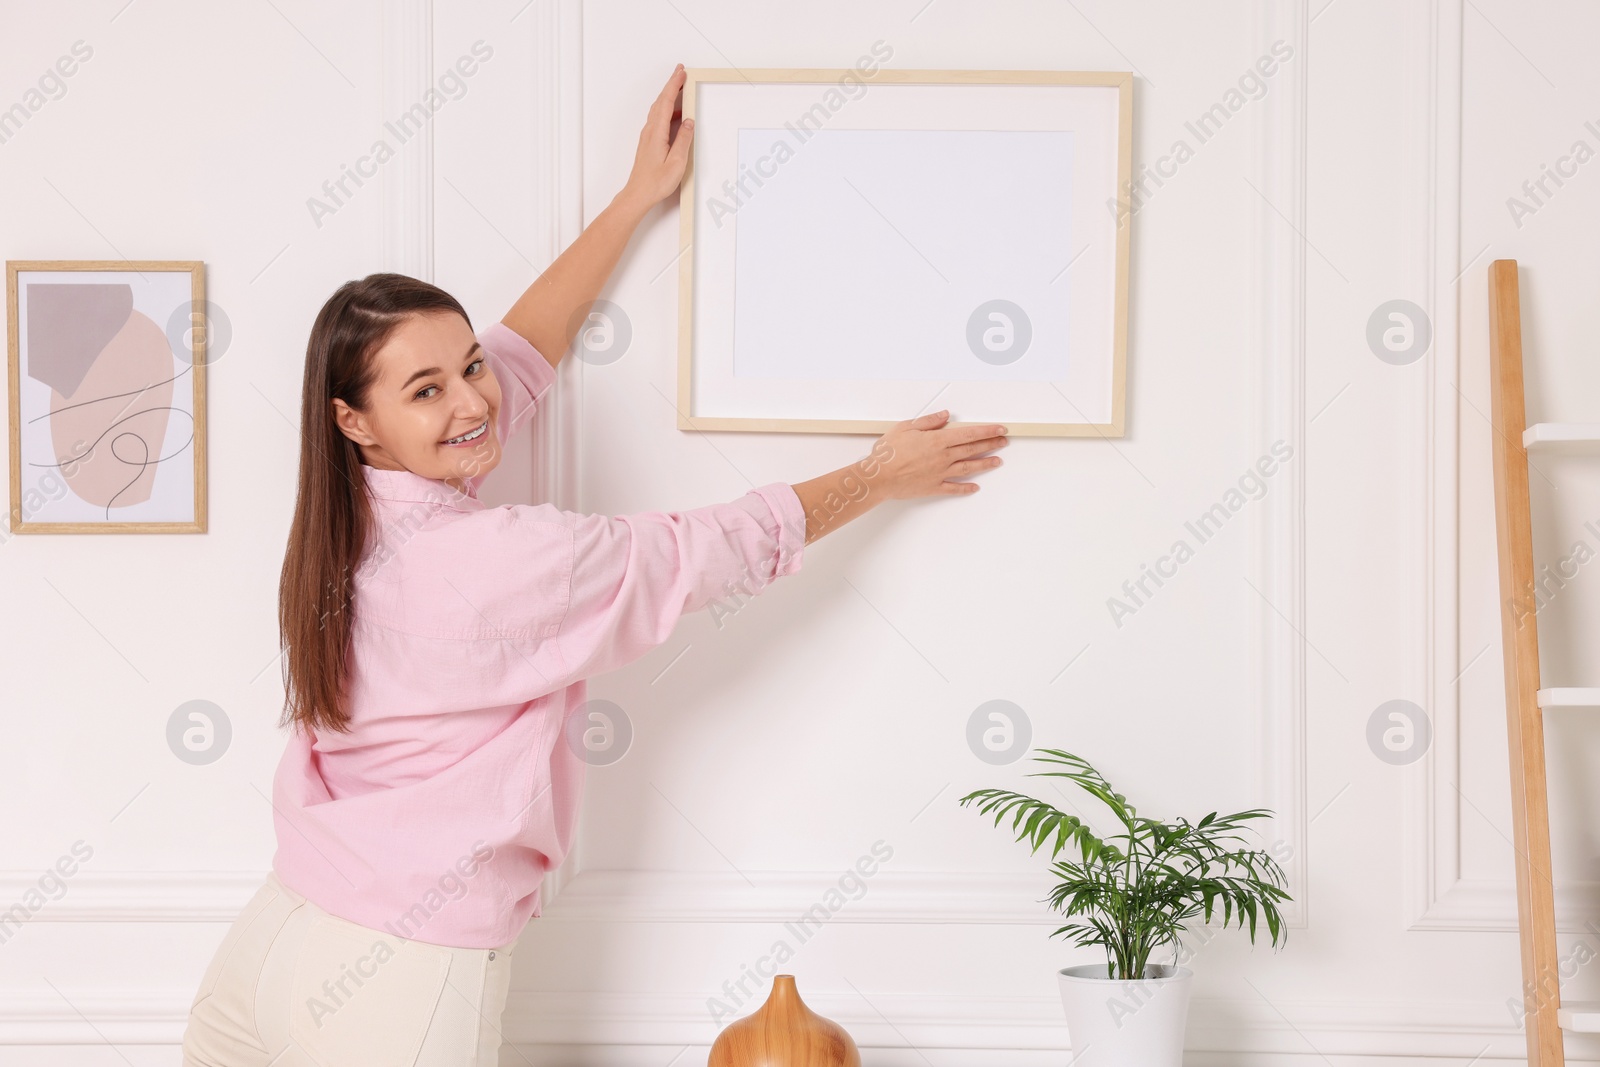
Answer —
97 413
1113 352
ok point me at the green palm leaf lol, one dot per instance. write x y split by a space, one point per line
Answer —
1134 890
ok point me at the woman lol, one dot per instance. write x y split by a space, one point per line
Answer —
437 650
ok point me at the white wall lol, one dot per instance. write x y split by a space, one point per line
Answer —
771 752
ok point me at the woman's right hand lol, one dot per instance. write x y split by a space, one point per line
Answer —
919 456
662 156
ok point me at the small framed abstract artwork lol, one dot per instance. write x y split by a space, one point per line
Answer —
107 365
864 245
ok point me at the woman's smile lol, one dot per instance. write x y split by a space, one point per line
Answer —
468 438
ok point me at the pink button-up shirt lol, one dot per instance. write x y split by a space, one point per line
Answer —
458 784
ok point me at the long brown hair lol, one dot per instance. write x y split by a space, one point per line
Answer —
332 512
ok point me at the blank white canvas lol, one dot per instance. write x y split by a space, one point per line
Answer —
1081 279
864 254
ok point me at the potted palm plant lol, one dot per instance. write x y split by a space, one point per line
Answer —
1133 892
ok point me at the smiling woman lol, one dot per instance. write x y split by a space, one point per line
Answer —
437 651
438 421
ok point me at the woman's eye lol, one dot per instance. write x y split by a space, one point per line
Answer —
422 394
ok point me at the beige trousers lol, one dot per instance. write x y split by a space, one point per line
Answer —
293 986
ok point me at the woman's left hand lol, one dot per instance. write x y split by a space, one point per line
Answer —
663 153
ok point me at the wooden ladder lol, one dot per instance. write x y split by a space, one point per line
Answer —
1546 1016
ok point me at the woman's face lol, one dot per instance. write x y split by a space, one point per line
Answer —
433 384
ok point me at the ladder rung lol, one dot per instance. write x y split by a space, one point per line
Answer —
1579 1016
1560 433
1569 698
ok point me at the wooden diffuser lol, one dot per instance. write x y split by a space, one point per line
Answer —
783 1032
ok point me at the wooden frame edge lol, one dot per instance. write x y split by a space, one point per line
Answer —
195 268
1122 81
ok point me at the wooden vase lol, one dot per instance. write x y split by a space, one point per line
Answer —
783 1032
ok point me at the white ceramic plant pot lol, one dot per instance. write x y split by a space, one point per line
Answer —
1136 1022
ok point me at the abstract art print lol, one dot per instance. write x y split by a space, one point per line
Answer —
107 401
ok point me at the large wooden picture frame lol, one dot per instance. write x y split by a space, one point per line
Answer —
863 245
107 367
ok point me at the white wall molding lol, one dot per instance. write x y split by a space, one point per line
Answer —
785 896
135 896
1278 530
556 128
995 1024
592 896
1437 896
602 1022
408 178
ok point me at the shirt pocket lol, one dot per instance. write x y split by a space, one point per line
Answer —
360 998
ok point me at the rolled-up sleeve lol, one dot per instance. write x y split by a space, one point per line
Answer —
634 576
524 374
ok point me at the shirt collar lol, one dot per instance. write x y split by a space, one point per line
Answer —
410 487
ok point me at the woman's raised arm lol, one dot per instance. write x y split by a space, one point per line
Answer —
556 305
633 576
